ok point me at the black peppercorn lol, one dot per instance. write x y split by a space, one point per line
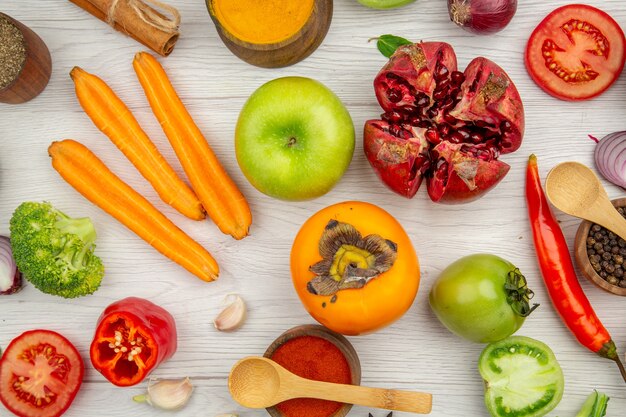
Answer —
607 253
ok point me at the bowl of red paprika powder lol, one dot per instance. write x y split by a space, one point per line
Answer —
314 352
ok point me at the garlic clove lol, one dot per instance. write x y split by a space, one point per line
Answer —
232 316
167 394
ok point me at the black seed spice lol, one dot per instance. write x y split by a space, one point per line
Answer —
12 52
607 253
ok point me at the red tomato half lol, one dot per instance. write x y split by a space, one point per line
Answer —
576 52
40 374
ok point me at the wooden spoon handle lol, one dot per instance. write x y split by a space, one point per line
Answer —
390 399
612 220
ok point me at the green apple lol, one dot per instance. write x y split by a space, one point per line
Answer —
385 4
294 139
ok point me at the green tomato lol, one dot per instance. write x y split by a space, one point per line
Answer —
385 4
522 378
481 297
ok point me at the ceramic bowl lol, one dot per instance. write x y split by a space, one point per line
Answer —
35 72
336 339
286 52
582 259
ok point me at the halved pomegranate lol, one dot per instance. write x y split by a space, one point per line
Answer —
442 124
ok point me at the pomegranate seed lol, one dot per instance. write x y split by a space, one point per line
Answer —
409 109
394 95
443 84
447 104
455 93
395 130
432 136
450 119
415 120
444 129
432 112
456 137
506 126
441 72
457 78
422 100
440 94
393 117
423 124
465 132
480 123
476 137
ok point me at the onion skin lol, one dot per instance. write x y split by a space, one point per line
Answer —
610 158
482 16
10 277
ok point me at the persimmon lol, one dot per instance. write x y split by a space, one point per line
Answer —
354 268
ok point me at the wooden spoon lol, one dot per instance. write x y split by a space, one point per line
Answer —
574 189
257 382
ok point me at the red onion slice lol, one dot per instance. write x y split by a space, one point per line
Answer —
10 277
610 158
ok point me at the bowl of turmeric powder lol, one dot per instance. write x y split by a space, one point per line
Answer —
271 34
315 352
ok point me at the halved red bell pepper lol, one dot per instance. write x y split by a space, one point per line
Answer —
133 336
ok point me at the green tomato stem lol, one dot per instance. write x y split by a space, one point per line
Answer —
518 293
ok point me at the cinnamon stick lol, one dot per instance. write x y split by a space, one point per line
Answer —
125 17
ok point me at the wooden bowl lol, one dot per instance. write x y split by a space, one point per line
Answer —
35 72
336 339
582 259
284 53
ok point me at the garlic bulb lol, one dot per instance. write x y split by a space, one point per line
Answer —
232 316
167 394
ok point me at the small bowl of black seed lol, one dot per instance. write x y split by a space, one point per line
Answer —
25 64
601 254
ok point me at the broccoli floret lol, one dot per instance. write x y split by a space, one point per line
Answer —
55 252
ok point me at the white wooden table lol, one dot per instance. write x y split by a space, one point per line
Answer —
414 353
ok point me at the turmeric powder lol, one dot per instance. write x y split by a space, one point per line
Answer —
262 22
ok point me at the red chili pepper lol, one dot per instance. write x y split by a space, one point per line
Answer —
133 336
559 275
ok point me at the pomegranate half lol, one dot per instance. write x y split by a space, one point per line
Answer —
441 124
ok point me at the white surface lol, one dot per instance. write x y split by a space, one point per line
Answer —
414 353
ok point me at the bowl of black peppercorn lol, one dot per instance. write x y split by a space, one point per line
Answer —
601 254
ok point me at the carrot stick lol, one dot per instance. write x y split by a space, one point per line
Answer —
90 177
115 120
219 195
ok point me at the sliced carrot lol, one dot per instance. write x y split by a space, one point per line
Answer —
115 120
90 177
219 195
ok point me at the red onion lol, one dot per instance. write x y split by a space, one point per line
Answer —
610 157
10 277
482 16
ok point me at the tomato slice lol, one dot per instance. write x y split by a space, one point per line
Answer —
522 378
40 374
576 52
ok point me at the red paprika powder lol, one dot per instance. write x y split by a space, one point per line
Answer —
315 358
